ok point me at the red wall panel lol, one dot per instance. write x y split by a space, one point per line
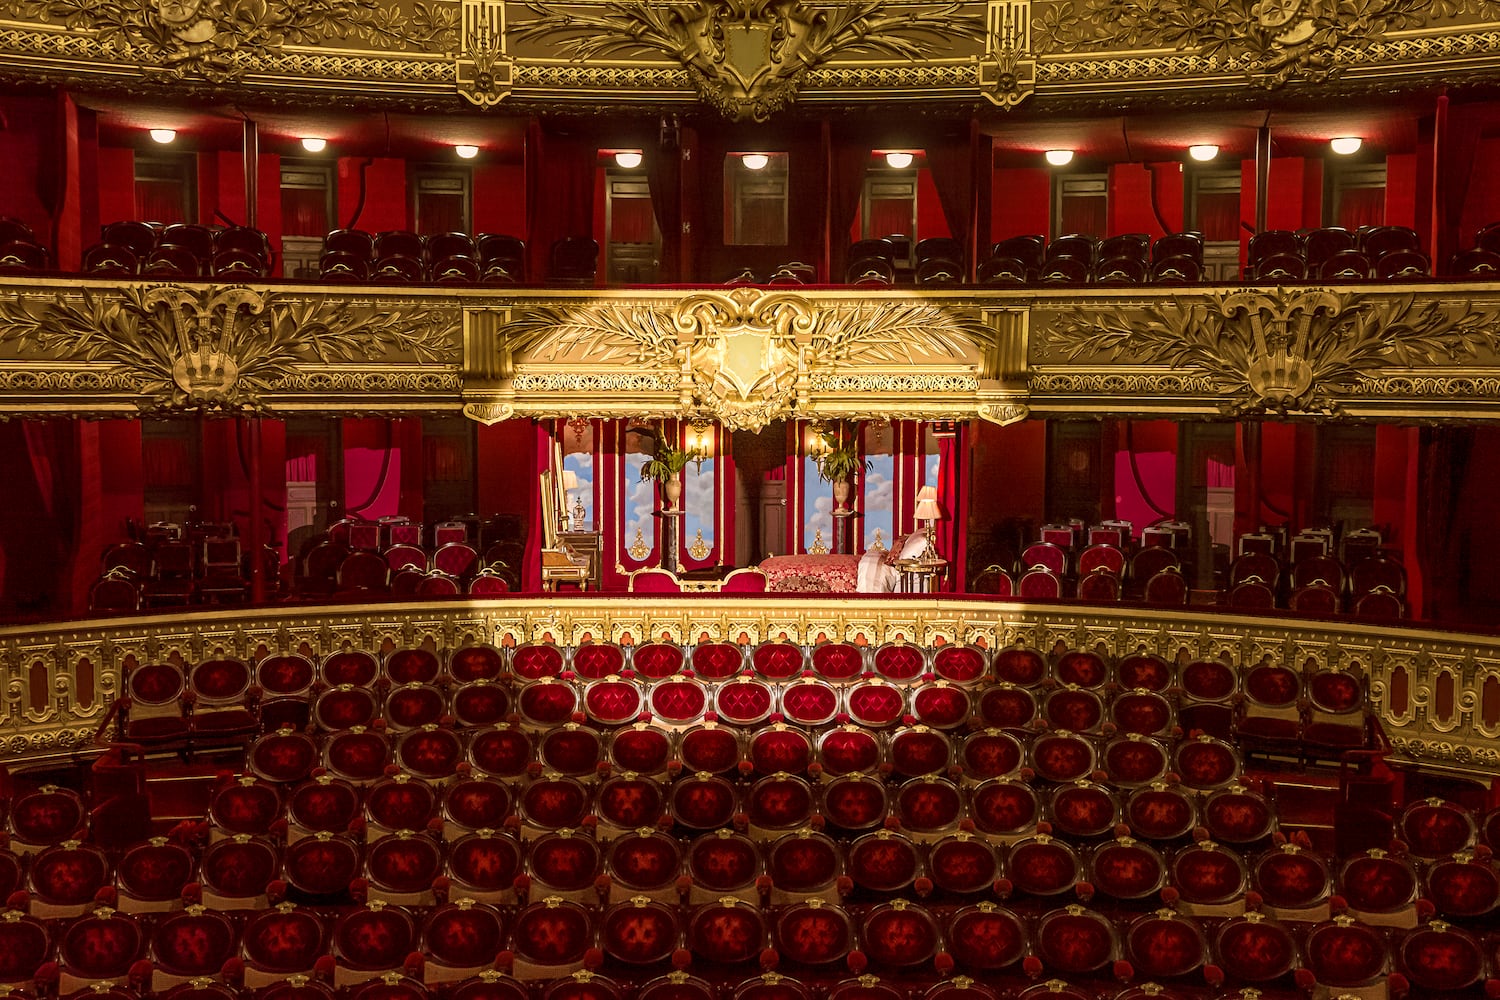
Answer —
1022 202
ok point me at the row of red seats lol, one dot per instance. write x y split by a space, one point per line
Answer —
1076 259
182 250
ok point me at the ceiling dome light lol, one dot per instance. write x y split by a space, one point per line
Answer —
628 159
466 152
1059 157
313 144
755 161
163 135
898 161
1346 144
1204 152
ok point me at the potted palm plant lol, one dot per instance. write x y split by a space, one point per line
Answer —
665 465
840 465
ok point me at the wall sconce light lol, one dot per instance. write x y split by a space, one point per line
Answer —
1344 145
1059 157
699 440
163 135
898 161
466 152
755 161
818 443
629 159
1203 153
314 145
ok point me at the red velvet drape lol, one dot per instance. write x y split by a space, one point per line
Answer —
953 497
1361 207
848 159
950 157
560 170
664 177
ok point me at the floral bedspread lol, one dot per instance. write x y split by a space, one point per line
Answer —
828 574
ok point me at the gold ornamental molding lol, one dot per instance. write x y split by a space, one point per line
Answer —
1284 350
57 681
748 58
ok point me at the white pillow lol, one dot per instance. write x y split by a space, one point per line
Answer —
914 546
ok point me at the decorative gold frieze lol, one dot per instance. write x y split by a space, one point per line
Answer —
747 58
222 40
1281 349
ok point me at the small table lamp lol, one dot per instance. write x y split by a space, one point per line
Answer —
929 511
569 484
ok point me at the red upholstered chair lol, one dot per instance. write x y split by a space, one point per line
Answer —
43 817
1294 883
191 945
1271 715
117 590
239 874
597 659
855 802
809 701
460 940
990 753
1166 588
502 751
850 750
1380 888
993 580
1133 760
350 666
778 804
403 868
1336 715
1045 555
324 805
1100 586
412 666
919 750
149 877
391 986
1150 560
1314 599
1251 595
359 756
1083 809
280 943
961 664
571 749
771 986
1209 879
898 936
551 939
362 574
1073 941
1081 668
244 805
552 802
899 662
1127 868
153 709
778 660
838 662
613 701
438 584
1040 585
285 681
702 802
727 932
677 702
1236 815
535 660
412 706
64 879
1007 706
803 865
1003 808
480 703
963 864
711 748
629 802
97 951
1440 959
779 748
813 934
475 662
545 703
1252 950
884 862
987 939
717 660
1145 672
1040 865
865 987
483 866
875 703
1143 713
321 868
673 986
1020 665
655 660
475 803
1380 603
644 863
1206 704
744 701
723 863
345 707
370 942
745 580
1463 887
1165 945
654 580
1205 764
1062 756
561 864
407 556
1073 709
639 932
399 803
928 808
1345 955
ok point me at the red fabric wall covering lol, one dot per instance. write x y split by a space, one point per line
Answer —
499 202
384 184
1482 206
1396 472
504 486
1010 473
25 151
1022 203
1401 190
1131 186
116 186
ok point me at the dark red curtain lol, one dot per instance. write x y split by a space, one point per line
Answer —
950 157
1082 215
1361 206
1218 216
848 159
664 176
304 212
159 201
40 488
560 169
954 458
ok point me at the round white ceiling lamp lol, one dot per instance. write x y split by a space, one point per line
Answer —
629 159
898 160
466 152
163 135
755 161
1346 144
1059 157
1203 152
313 144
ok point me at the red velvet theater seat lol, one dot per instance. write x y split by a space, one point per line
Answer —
1003 808
899 662
285 756
432 752
220 689
778 661
1209 879
1083 809
1238 816
677 702
1143 713
412 666
402 868
961 664
502 752
65 878
1380 888
721 864
963 864
777 804
986 939
1205 764
715 661
655 660
98 950
1294 883
391 987
709 748
850 749
884 862
916 751
809 934
492 985
359 756
673 986
1253 950
593 660
1345 955
838 662
25 943
345 707
280 943
865 988
991 753
534 660
726 932
1021 666
1127 869
1081 668
897 935
803 865
552 803
351 666
471 804
644 863
1144 672
1007 706
562 864
1073 941
1440 959
285 683
639 932
478 662
571 749
779 747
411 706
1165 945
641 748
150 877
1463 887
245 805
1073 709
1435 828
399 803
855 803
324 805
1160 812
928 808
702 802
192 945
1043 866
629 802
320 868
744 701
370 942
1208 689
1132 760
1271 716
771 986
1062 756
483 867
460 940
551 939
